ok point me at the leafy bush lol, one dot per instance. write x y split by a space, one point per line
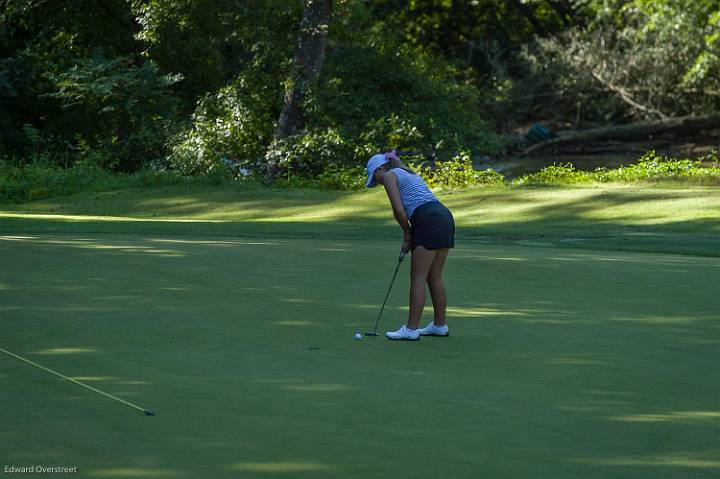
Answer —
34 181
225 126
408 100
650 167
333 178
457 173
429 112
395 96
309 154
653 167
37 181
121 110
234 123
116 112
564 173
338 178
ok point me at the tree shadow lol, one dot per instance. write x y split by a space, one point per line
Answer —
593 218
556 357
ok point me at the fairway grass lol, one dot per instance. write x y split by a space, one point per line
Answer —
636 217
562 363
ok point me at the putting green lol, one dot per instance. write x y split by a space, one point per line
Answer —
561 363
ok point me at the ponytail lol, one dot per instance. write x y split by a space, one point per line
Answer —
394 162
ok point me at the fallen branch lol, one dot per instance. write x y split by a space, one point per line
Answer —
625 96
632 131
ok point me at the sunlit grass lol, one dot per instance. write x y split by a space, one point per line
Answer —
608 216
482 312
664 320
94 244
676 416
319 387
54 351
280 467
104 218
92 378
689 460
493 209
213 242
295 323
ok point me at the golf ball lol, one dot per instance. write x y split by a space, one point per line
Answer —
358 336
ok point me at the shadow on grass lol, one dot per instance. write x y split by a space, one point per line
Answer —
631 378
577 358
590 219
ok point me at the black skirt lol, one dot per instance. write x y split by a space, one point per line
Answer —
432 226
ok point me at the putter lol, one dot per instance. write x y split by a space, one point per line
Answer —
374 332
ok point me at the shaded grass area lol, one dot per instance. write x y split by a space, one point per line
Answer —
631 217
562 363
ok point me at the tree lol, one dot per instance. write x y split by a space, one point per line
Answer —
307 63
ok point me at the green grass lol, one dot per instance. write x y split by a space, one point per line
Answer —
561 363
662 218
231 312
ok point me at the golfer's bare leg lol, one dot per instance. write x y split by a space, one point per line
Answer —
422 260
437 287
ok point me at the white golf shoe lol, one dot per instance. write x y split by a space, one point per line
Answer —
432 330
403 334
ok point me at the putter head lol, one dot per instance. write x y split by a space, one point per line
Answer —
371 333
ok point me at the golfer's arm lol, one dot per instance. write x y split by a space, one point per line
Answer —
391 188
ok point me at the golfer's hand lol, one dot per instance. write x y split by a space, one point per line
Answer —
405 246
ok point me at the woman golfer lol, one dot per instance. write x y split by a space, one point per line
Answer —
428 231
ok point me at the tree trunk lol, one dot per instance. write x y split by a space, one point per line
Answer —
632 131
307 63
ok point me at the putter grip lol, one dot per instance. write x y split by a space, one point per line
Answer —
402 256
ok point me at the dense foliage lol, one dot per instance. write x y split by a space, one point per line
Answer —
19 183
635 59
196 87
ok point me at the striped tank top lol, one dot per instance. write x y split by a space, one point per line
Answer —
413 190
